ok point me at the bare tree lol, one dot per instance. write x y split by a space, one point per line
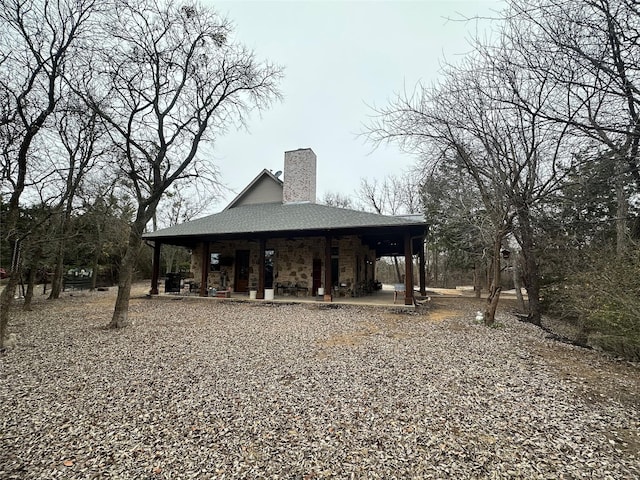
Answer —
438 124
590 50
389 197
102 225
410 184
79 133
168 79
459 230
486 117
381 197
336 199
394 195
37 39
182 205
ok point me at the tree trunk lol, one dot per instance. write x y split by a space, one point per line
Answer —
96 256
8 294
31 280
120 317
56 281
56 284
94 269
531 272
517 282
171 256
477 279
622 239
492 304
495 288
6 301
435 265
398 272
533 292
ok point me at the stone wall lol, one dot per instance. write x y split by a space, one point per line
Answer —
225 276
351 260
293 260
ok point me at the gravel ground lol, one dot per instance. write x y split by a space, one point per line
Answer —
220 389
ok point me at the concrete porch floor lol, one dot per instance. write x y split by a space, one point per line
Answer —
384 297
379 298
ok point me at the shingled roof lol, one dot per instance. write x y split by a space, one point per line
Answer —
277 217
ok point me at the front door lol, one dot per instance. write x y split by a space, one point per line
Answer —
241 283
316 275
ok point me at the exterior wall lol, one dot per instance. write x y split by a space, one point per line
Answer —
265 191
293 260
226 276
299 176
351 260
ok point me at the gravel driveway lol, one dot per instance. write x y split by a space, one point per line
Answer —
211 389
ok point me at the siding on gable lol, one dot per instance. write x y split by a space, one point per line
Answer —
264 191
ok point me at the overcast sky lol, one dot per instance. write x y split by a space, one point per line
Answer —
340 58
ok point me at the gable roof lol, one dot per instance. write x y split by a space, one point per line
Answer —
264 176
284 218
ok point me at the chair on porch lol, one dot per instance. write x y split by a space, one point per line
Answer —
286 288
226 293
301 287
398 288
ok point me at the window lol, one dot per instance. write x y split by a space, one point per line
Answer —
214 262
335 266
269 257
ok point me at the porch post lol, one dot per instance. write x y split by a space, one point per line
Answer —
155 268
328 282
204 276
262 246
408 270
423 269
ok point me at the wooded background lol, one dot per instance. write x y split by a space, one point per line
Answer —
527 163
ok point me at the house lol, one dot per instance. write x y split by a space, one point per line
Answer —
274 237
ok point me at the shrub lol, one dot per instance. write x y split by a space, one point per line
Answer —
604 299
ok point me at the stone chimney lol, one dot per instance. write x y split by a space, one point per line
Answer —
299 176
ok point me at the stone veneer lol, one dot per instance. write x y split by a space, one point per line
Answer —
293 260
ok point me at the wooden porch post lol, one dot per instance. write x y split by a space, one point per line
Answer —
408 270
423 269
204 277
155 272
262 246
328 282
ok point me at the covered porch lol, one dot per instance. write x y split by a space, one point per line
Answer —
336 267
303 247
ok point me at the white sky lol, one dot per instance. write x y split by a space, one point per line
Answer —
339 58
